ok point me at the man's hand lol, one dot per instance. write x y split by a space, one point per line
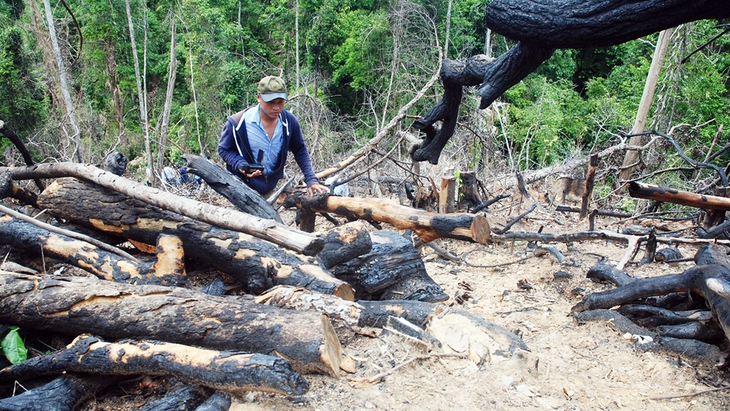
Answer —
318 189
251 173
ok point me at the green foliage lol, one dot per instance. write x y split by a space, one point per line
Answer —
360 58
19 83
14 347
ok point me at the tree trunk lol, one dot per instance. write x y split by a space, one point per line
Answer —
74 138
171 75
229 371
142 98
257 264
647 97
428 226
77 305
594 23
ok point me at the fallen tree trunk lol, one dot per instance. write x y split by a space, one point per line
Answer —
64 393
102 263
479 339
670 195
78 305
232 188
270 230
257 264
228 371
427 225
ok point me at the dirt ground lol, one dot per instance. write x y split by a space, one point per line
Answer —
569 366
592 366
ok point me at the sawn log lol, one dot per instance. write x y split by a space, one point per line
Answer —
78 305
427 225
229 371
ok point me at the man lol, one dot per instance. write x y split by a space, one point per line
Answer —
255 142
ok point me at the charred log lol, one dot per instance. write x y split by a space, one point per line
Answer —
166 270
427 225
670 195
228 371
392 270
64 393
183 397
233 189
712 282
77 305
266 229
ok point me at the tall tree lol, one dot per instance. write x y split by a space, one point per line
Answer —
75 136
141 95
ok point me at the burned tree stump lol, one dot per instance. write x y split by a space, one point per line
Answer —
78 305
228 371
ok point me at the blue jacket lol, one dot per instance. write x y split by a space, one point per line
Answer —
234 136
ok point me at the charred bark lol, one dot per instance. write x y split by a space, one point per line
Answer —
670 195
266 229
392 270
64 393
712 282
233 189
591 23
104 264
229 371
78 305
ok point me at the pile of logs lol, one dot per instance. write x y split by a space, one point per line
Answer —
131 308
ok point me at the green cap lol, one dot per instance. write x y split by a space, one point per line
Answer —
271 87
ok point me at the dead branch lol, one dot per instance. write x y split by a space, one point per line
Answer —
382 133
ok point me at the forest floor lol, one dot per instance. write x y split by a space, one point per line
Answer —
591 366
569 366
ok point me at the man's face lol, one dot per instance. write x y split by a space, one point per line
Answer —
273 108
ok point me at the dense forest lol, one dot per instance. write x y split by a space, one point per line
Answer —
155 80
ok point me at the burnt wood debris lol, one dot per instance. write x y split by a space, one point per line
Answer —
282 302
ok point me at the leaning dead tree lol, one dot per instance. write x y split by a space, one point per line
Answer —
540 27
